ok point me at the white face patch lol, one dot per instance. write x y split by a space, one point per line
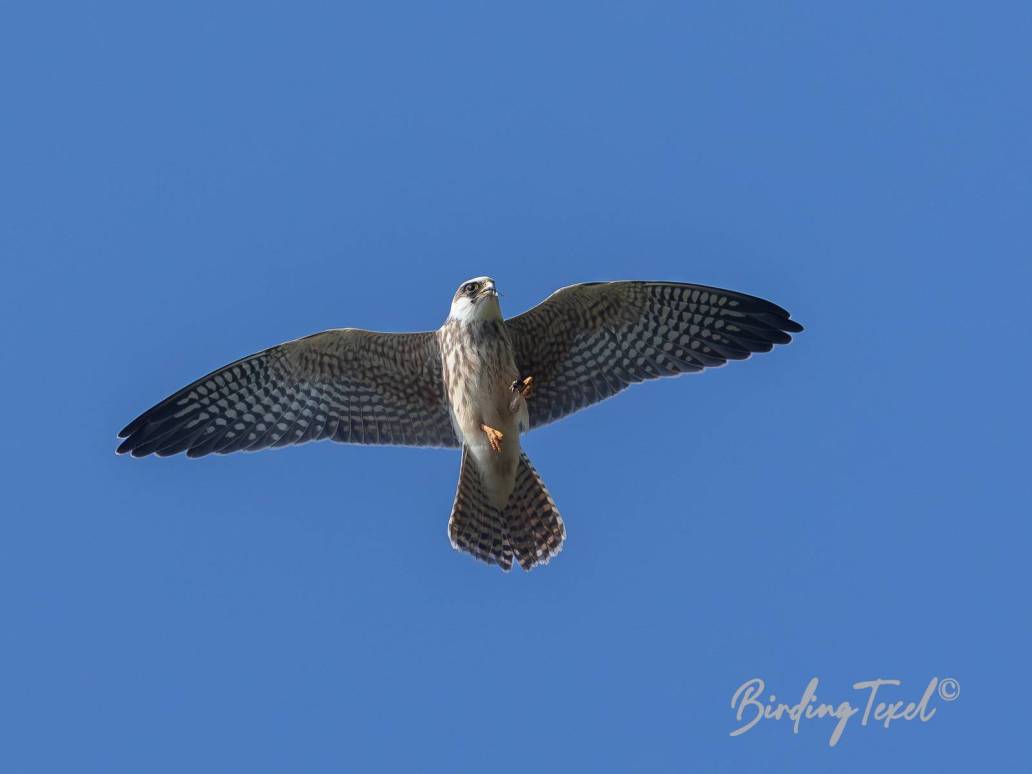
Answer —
481 306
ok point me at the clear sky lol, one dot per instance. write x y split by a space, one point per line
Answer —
184 185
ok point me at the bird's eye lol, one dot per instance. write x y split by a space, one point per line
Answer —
471 287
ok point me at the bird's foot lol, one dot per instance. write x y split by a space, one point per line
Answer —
524 388
494 437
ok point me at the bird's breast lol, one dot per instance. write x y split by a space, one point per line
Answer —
479 368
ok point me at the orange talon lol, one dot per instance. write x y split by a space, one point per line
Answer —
494 437
528 387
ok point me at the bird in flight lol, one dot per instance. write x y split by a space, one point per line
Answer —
477 383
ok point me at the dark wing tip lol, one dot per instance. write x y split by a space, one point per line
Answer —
136 445
770 313
775 316
132 427
132 432
790 326
137 433
767 311
131 437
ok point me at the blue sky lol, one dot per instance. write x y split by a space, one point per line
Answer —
184 185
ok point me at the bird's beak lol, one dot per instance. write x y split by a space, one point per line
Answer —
489 290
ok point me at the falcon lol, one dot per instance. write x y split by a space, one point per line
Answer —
477 383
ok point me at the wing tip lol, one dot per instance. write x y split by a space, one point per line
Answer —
761 306
134 450
791 326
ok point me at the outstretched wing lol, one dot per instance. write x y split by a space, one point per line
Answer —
350 385
587 342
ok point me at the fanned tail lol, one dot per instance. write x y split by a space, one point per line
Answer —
529 526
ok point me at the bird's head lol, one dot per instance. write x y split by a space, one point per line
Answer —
476 299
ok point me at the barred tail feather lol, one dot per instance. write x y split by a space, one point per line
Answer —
529 526
536 530
475 525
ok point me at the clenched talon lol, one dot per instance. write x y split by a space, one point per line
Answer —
528 386
494 437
